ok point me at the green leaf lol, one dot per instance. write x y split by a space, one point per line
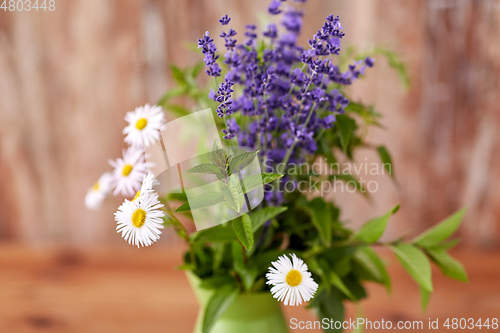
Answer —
369 259
372 230
241 159
202 201
231 195
396 64
386 159
425 296
321 218
218 155
346 128
255 181
172 93
438 234
178 74
243 230
247 274
449 266
450 244
329 304
207 168
348 178
217 305
197 69
265 214
221 233
331 277
336 281
416 264
216 282
178 110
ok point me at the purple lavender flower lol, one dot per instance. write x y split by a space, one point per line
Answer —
232 129
225 20
284 90
223 96
292 20
274 7
272 31
369 61
250 34
209 49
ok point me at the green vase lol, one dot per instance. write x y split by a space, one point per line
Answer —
250 313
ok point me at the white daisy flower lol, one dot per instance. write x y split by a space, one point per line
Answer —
140 220
129 172
144 125
99 191
292 282
147 185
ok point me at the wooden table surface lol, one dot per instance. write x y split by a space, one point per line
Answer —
129 290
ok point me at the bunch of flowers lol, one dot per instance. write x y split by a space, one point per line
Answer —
140 218
289 94
289 105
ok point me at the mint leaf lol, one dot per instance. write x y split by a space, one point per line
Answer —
448 265
372 230
243 230
442 231
415 263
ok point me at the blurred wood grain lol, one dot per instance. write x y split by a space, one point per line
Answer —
122 289
67 78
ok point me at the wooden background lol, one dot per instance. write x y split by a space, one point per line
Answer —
67 78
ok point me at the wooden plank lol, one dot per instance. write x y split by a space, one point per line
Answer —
122 289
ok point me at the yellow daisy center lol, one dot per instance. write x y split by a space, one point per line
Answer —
138 218
293 278
141 123
137 195
96 186
127 169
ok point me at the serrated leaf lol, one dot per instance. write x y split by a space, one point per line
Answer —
243 230
217 305
441 232
448 265
202 201
321 218
386 159
346 128
369 259
372 230
221 233
218 154
241 160
265 214
255 181
415 263
232 197
206 168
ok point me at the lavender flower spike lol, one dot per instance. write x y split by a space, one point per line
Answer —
225 20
